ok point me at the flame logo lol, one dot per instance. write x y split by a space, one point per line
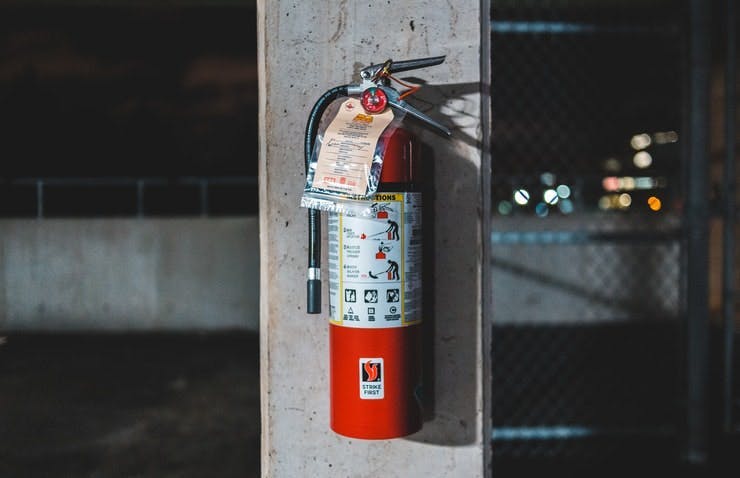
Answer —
371 369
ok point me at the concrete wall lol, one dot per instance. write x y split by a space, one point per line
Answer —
129 274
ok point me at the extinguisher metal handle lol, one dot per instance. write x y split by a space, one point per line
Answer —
399 66
415 64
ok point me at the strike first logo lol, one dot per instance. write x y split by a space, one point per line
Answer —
371 378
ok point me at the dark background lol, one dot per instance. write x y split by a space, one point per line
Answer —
136 111
121 111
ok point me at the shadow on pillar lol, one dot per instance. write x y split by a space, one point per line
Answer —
451 335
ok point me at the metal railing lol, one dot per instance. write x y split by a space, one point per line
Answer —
139 187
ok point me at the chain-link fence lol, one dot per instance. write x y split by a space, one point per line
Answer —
586 244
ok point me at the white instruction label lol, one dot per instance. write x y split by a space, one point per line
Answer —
372 378
375 264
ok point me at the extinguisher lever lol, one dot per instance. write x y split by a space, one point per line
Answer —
417 63
390 66
396 102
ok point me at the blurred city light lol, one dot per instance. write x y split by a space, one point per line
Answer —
642 159
550 196
645 183
654 203
612 165
505 207
521 197
640 141
548 179
625 200
629 183
615 202
665 137
563 191
566 206
610 183
542 210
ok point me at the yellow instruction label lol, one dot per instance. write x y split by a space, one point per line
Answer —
375 264
348 147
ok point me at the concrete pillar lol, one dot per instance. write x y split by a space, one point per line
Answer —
305 47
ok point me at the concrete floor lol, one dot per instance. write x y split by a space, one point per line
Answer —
140 406
129 406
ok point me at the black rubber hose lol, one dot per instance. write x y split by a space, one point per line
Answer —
313 285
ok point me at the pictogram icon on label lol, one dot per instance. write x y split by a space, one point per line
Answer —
371 296
372 378
377 261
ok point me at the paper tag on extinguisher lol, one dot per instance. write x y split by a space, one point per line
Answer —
345 158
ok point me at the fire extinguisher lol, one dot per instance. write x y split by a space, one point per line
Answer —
375 273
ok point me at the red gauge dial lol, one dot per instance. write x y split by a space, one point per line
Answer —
374 100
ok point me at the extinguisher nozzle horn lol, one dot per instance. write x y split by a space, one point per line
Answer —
313 296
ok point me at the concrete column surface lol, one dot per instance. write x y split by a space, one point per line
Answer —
306 47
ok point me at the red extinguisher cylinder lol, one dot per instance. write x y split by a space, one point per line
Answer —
375 371
398 413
